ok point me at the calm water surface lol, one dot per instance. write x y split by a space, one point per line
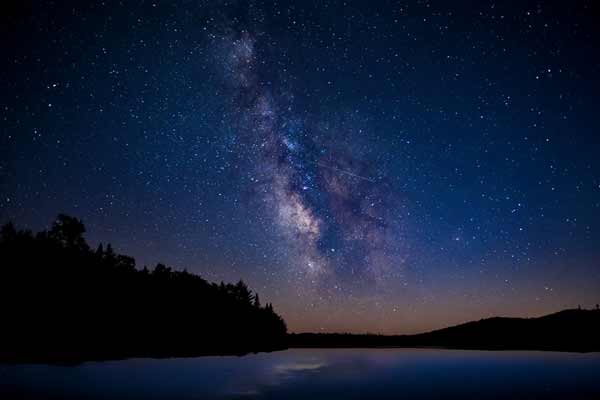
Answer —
318 374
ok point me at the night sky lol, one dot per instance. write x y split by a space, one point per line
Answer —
366 166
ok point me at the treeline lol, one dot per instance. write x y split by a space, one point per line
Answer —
63 301
568 330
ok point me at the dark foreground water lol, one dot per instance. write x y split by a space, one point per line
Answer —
318 374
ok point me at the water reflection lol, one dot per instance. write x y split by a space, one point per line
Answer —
274 371
319 374
298 366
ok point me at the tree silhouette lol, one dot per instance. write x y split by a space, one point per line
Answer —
68 232
63 301
8 233
256 301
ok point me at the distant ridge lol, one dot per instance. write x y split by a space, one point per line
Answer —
568 330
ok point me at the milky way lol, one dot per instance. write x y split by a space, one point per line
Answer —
334 216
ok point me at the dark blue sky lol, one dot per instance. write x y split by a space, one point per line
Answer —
365 166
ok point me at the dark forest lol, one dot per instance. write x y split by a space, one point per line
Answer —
64 301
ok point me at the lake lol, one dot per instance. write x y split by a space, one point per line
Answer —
318 374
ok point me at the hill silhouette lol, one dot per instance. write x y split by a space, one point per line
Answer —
568 330
62 301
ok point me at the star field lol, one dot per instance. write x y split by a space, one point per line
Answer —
386 167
